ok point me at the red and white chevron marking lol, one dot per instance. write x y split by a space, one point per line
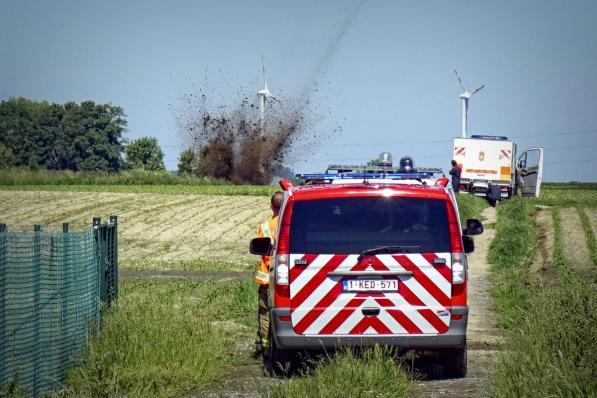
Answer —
505 153
460 150
421 305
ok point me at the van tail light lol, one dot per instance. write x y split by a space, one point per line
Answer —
458 260
281 263
282 270
458 270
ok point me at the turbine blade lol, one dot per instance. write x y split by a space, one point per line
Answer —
479 89
459 80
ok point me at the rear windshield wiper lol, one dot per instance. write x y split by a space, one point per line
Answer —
386 250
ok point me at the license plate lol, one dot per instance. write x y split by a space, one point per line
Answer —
370 285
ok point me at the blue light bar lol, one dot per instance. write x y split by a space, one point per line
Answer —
361 176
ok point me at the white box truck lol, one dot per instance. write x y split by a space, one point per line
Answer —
488 161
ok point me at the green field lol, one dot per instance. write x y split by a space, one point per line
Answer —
180 337
547 305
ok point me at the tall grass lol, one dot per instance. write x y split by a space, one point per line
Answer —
470 206
129 181
510 255
551 352
589 235
559 260
164 338
371 373
568 195
134 177
552 330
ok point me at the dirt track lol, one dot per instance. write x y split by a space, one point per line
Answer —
482 334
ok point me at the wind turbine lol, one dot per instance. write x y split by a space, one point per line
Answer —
465 96
264 94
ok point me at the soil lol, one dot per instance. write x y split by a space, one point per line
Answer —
542 269
483 337
574 243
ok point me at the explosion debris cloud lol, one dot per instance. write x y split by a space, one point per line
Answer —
232 145
235 144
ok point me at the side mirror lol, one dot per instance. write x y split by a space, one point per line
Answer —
469 244
261 246
473 227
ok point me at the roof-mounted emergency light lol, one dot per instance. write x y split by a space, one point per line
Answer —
385 159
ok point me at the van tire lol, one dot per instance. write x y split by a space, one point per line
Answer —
454 362
280 362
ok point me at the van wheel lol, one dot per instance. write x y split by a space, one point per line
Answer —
454 362
280 362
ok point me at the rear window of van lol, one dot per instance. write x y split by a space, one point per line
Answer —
352 225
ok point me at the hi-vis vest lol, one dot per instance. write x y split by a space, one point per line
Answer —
266 230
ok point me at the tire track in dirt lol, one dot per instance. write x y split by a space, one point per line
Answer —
483 337
542 268
574 244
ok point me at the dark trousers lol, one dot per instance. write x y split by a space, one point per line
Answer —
263 316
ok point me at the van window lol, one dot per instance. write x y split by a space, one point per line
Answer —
351 225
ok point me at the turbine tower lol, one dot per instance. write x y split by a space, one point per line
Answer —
465 96
264 94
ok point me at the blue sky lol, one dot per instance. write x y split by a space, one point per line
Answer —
388 83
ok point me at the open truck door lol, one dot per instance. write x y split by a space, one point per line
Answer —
529 170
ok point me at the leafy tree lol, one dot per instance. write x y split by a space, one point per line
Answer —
6 157
188 162
70 136
145 153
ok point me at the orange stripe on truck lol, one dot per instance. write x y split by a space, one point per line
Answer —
481 171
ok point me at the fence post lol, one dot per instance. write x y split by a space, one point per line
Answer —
36 325
114 248
3 344
101 259
65 287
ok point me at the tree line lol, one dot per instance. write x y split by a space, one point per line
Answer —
72 136
87 137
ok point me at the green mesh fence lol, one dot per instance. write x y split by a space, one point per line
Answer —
50 289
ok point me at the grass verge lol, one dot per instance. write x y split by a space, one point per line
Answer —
372 372
470 206
165 338
551 328
510 255
559 260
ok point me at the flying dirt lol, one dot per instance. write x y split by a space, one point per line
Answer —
234 144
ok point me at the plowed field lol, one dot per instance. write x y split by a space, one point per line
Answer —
157 232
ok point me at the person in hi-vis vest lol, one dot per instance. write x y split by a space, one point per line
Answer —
266 229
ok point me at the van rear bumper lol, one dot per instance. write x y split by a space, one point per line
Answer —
286 338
